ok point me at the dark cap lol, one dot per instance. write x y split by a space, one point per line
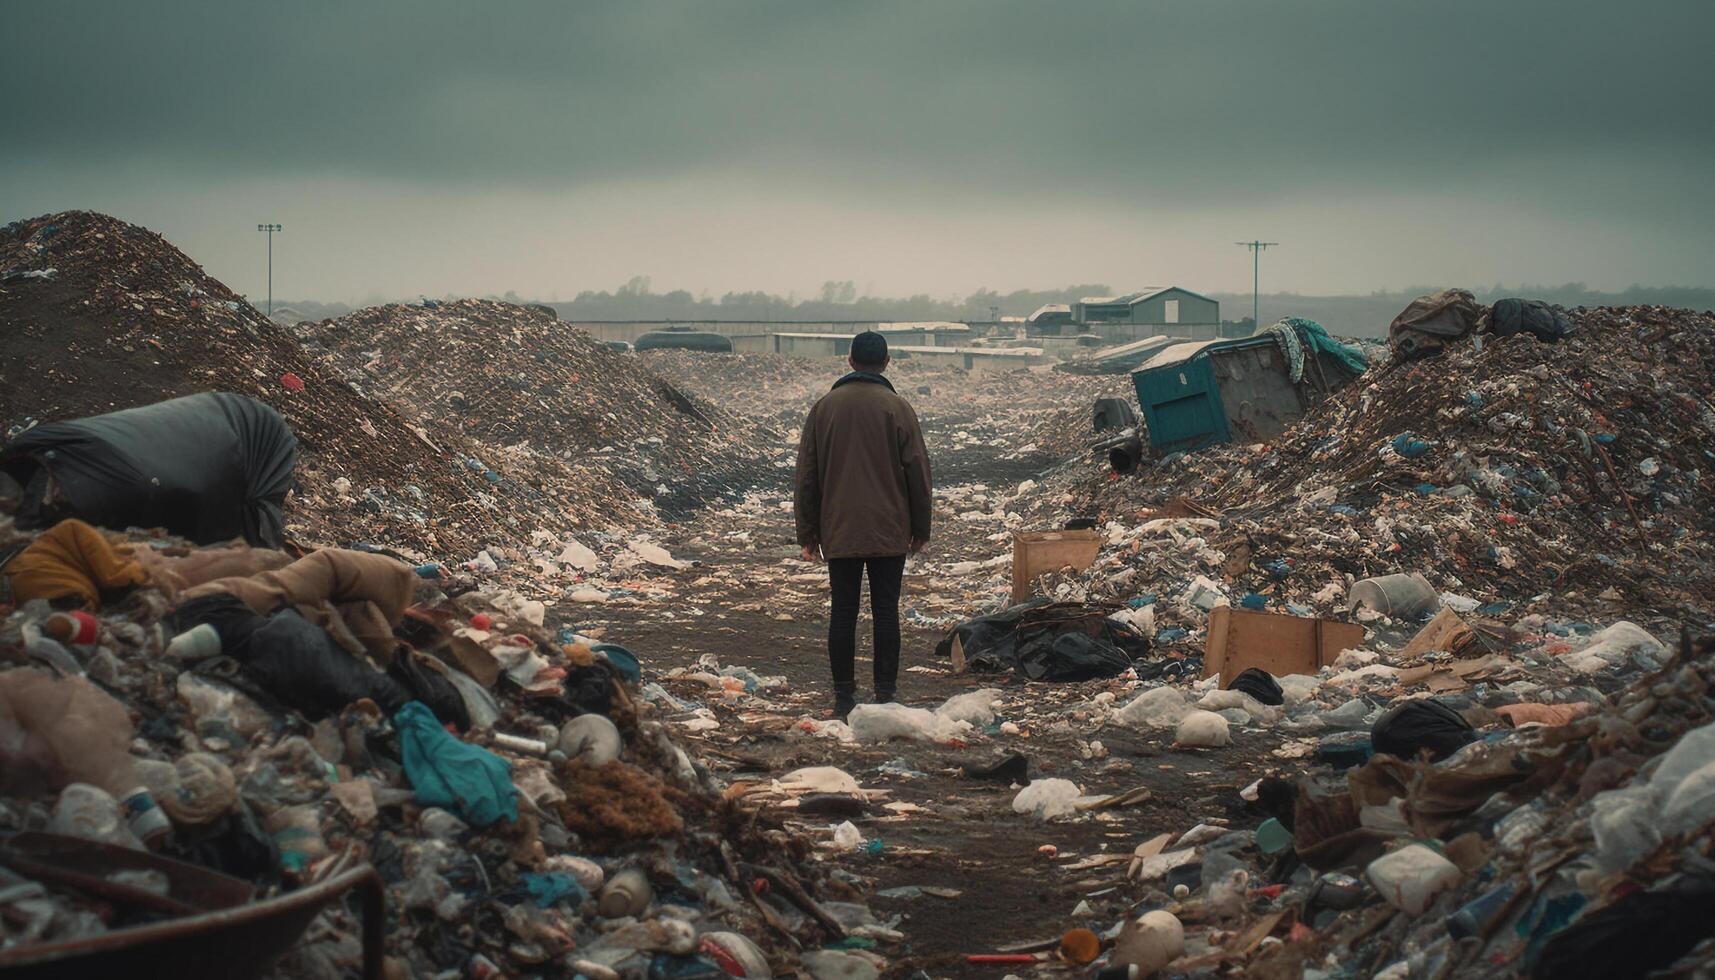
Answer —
870 348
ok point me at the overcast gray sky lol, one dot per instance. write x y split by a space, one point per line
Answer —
925 146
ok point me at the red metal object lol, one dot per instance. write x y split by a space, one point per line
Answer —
236 938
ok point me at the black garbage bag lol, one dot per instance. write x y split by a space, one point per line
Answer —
1406 729
1635 936
1542 321
588 691
1048 641
426 684
296 662
302 665
1070 657
1259 684
209 467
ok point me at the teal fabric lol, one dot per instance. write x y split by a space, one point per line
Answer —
467 779
1315 336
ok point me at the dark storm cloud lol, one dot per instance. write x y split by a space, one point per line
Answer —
1161 102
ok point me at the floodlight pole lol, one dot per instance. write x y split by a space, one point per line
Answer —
1256 269
270 229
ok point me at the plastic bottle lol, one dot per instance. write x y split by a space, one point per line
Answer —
144 817
298 833
1475 917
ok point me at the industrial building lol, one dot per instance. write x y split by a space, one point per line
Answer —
1170 310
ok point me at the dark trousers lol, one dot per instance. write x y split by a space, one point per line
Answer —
845 577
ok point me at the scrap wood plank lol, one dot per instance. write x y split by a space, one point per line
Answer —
1247 941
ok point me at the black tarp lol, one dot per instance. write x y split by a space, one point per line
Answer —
1542 321
1408 728
1048 641
1259 684
209 467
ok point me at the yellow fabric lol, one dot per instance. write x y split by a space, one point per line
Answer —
72 559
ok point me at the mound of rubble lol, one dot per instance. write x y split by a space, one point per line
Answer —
1567 475
226 728
103 315
517 379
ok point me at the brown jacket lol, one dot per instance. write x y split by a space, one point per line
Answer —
863 486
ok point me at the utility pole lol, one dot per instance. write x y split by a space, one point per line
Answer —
1256 268
270 229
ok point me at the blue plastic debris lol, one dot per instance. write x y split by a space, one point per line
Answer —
550 887
1147 599
1171 634
1409 446
1254 600
1346 509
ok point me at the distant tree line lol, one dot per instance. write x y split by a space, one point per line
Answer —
1352 316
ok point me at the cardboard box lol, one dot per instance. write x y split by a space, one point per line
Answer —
1241 638
1035 553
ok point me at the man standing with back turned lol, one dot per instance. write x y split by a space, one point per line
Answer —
862 500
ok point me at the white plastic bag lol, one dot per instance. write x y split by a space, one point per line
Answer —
1046 799
1202 729
974 707
1157 707
873 723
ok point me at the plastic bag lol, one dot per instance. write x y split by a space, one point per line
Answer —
1202 729
1260 685
1157 707
1406 729
1046 799
881 722
974 707
58 730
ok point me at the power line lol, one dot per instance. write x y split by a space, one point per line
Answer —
1256 268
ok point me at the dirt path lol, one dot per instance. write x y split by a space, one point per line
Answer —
750 603
966 837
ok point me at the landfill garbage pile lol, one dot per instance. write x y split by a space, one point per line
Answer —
1507 470
276 727
103 315
1524 825
518 380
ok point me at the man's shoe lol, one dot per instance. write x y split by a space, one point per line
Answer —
884 697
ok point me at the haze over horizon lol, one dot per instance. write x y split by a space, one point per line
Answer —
543 149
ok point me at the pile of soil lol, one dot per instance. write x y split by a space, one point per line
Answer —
102 315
